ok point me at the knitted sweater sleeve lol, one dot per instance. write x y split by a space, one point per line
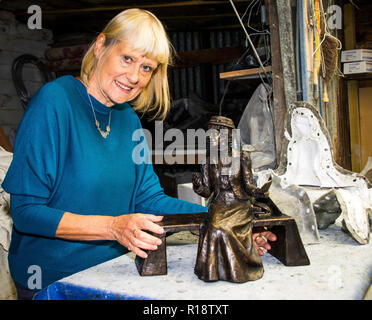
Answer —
33 173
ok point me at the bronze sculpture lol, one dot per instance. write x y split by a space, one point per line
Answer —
226 250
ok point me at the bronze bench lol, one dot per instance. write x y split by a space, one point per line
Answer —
288 248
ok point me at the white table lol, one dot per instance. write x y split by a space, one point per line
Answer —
340 268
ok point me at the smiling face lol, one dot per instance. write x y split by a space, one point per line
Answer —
122 73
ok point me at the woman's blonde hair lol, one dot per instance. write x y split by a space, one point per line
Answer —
145 33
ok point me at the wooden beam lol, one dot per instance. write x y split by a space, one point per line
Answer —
242 74
59 61
203 17
365 111
342 153
280 106
143 6
287 50
213 27
353 91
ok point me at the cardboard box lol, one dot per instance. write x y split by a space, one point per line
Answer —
358 67
356 55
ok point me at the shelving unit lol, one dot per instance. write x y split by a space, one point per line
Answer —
358 76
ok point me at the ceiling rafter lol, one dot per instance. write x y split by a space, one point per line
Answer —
136 5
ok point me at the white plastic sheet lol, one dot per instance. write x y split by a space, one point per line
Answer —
257 130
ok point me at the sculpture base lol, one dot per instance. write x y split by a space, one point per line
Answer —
288 248
156 261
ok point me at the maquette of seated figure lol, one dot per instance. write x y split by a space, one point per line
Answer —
226 250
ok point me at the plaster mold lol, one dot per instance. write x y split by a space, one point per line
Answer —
295 202
367 170
308 173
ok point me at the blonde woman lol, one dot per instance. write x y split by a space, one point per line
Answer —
77 197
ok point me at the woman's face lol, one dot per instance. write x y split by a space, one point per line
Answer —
122 74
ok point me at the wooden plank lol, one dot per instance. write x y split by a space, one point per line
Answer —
184 59
280 108
349 26
138 5
359 76
341 133
352 90
342 154
287 50
354 119
242 74
365 83
198 17
365 110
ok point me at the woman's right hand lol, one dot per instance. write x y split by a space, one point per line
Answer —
128 230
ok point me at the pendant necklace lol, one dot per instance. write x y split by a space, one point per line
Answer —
104 134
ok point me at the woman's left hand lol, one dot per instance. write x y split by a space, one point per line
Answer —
261 241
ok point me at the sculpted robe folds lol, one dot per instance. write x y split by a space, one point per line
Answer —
226 250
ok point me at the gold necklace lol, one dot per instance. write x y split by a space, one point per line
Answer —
104 134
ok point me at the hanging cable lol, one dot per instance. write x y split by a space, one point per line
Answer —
263 32
229 81
251 44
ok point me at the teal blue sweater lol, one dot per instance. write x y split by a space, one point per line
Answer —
61 163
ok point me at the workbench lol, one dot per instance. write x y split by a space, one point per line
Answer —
340 268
